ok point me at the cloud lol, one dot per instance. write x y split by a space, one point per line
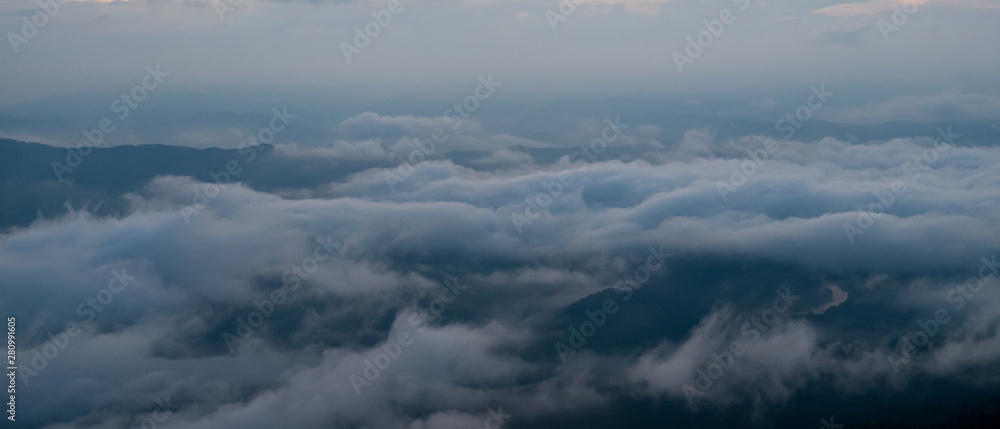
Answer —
839 297
493 344
946 106
874 7
858 9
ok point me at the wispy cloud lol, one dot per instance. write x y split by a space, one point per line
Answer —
874 7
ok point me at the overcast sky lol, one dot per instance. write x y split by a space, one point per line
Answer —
943 57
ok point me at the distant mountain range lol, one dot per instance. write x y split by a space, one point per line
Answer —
30 188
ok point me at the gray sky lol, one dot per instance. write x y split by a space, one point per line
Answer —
939 64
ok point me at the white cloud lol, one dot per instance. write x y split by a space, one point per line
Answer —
947 106
874 7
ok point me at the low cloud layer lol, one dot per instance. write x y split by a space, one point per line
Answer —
467 273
